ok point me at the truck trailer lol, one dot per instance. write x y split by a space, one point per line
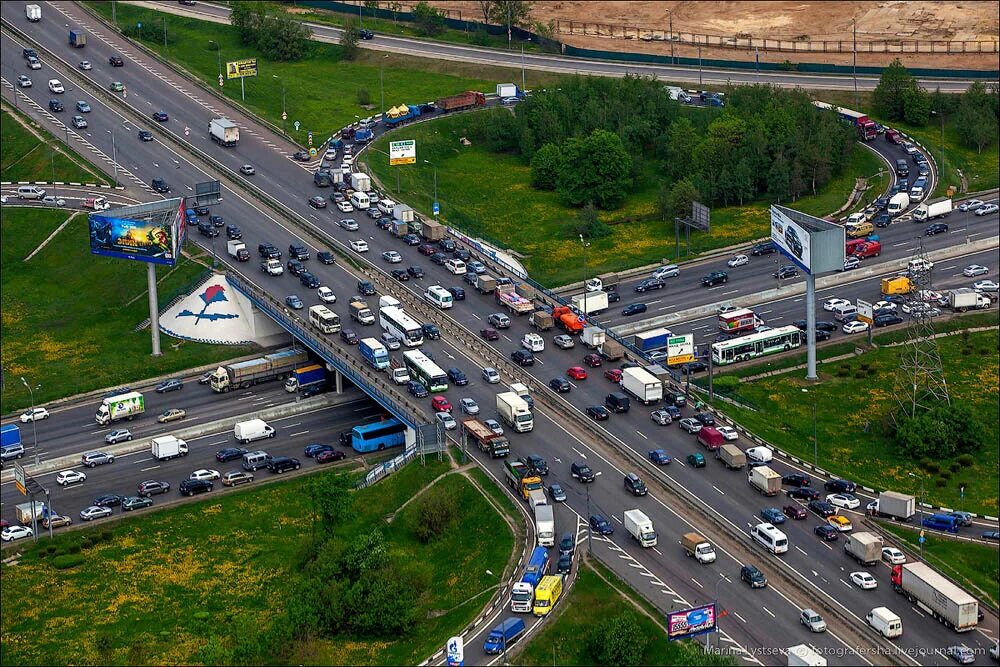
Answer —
765 480
655 339
522 593
732 456
514 412
646 387
545 525
123 406
944 600
865 548
467 100
640 527
166 447
305 377
224 131
244 374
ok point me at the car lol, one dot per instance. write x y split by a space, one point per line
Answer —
840 522
441 404
598 413
822 508
233 233
649 284
162 117
987 209
840 486
95 512
961 654
659 457
205 228
295 267
366 288
564 342
311 450
600 525
83 107
974 270
160 185
116 61
34 63
326 294
827 532
854 327
773 515
491 375
55 86
696 460
885 319
796 479
728 433
390 256
116 86
522 358
297 252
893 556
294 302
737 260
94 459
309 280
851 262
135 503
793 512
936 228
635 485
237 477
67 477
439 258
118 435
785 271
145 135
171 415
489 334
205 474
864 581
446 420
84 65
23 81
582 472
229 454
268 251
560 384
11 533
577 373
812 620
661 417
56 106
882 220
345 207
349 336
715 278
415 271
416 389
613 374
537 464
56 521
705 418
457 293
753 576
843 500
970 205
592 360
691 425
29 53
803 493
390 341
469 406
475 267
400 275
330 456
325 257
301 156
247 169
457 377
494 425
108 500
317 201
833 304
634 309
190 487
152 487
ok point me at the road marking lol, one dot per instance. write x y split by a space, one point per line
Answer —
696 581
801 551
718 489
737 615
768 611
642 434
292 425
846 584
680 463
650 303
148 469
729 292
579 452
298 433
508 338
657 551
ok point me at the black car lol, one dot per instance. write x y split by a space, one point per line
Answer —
827 532
108 500
206 229
634 485
145 135
55 105
219 221
753 576
785 271
439 258
268 251
116 61
233 232
715 278
416 389
828 327
537 463
634 309
447 245
560 384
317 202
190 487
763 249
883 220
886 319
364 33
936 228
796 479
522 358
295 267
308 280
457 376
598 413
840 486
29 53
383 223
366 288
229 454
160 116
325 257
172 384
457 293
822 335
694 367
349 337
431 331
705 418
160 185
822 508
614 297
649 284
415 272
582 472
462 254
600 525
280 464
400 275
299 252
803 493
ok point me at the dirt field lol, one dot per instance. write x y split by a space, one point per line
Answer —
800 22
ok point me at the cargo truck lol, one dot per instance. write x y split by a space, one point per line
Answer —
697 547
508 90
935 208
646 387
123 406
865 548
966 298
485 283
244 374
33 13
765 480
944 600
568 321
166 447
522 593
710 438
541 320
28 511
238 251
361 181
893 505
640 527
398 228
802 655
432 231
224 132
545 525
591 303
733 321
522 391
520 478
77 39
537 497
10 435
507 296
374 353
304 377
897 285
611 350
732 456
514 411
398 372
655 339
467 100
360 312
253 429
404 113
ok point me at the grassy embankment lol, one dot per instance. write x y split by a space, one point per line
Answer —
25 157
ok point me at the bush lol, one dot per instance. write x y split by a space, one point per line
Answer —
67 561
954 466
617 641
945 474
364 97
943 431
932 466
726 384
788 66
85 543
546 164
860 375
481 38
429 20
940 482
435 513
50 549
966 460
106 535
73 549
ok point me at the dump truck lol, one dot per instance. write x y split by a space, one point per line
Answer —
697 547
224 131
467 100
765 480
732 456
893 505
304 377
591 303
897 285
507 296
122 406
520 478
77 39
244 374
944 600
496 446
541 320
966 298
166 447
640 527
640 383
866 548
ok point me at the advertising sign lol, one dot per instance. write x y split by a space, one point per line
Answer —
456 652
791 239
241 68
813 245
402 152
156 241
865 313
691 622
680 349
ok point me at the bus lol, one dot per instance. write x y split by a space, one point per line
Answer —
393 320
324 319
757 345
425 371
377 436
865 126
741 319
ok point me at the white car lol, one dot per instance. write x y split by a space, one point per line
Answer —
490 375
446 420
738 260
884 305
347 161
52 200
345 207
970 205
985 286
974 270
85 65
34 414
844 500
205 474
392 257
722 310
55 86
728 432
95 512
350 224
359 245
864 581
23 81
326 295
390 341
854 327
893 556
986 209
11 533
761 454
67 477
833 304
929 295
469 406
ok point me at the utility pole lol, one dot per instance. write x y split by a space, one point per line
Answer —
34 433
670 18
585 275
855 52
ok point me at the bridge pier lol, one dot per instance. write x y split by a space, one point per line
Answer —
338 382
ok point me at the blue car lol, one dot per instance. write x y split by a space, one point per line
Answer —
416 389
315 448
659 457
601 525
294 302
773 515
634 309
475 267
673 411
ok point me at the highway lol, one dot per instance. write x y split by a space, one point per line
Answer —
666 576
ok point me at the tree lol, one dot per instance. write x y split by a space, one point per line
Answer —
349 39
589 225
601 170
486 7
942 432
429 20
916 106
681 140
617 641
331 498
976 129
511 13
678 199
279 35
779 178
435 512
889 95
247 17
546 164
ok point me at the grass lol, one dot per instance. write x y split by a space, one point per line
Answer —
974 566
851 411
164 586
26 158
489 195
68 317
592 598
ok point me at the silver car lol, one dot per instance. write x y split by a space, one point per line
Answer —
563 341
118 435
469 406
812 620
661 417
491 375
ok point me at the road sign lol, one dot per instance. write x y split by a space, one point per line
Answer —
680 349
238 69
437 208
284 116
456 652
187 131
310 138
921 539
402 152
865 313
296 124
313 152
221 82
19 478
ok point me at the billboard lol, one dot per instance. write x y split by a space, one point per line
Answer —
813 245
402 152
865 312
680 349
691 622
238 69
456 652
150 238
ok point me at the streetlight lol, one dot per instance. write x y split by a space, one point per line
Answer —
34 433
435 186
218 51
815 439
114 154
722 579
381 86
585 274
590 530
284 116
503 644
921 540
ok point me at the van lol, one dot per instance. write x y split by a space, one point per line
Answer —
456 266
856 218
254 460
944 522
845 313
710 438
617 401
668 271
547 593
360 200
385 206
773 539
886 623
439 296
30 192
902 168
859 230
532 342
503 636
917 192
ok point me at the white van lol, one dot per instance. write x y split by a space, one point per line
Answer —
30 192
772 538
916 192
856 219
456 266
252 429
532 342
439 296
919 265
888 624
386 206
845 313
360 200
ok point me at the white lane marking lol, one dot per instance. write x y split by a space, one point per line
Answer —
769 612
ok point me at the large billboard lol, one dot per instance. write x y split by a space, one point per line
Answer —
402 152
680 349
690 622
129 233
812 244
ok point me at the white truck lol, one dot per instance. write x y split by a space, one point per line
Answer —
591 303
360 181
865 548
642 384
522 391
802 655
697 547
545 525
678 94
765 480
224 131
537 497
253 429
935 208
33 13
893 505
640 527
272 267
398 372
123 406
166 447
944 600
898 203
966 298
238 251
28 511
514 411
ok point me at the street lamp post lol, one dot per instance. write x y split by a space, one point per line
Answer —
284 116
381 85
114 154
585 274
34 433
815 438
435 183
218 51
722 579
921 540
590 529
503 645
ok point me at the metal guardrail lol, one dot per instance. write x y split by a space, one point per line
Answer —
383 470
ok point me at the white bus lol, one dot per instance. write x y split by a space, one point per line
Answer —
439 296
425 371
773 539
757 345
324 319
394 321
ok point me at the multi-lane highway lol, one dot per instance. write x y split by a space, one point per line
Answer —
758 618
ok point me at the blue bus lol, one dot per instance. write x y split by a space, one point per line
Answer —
378 435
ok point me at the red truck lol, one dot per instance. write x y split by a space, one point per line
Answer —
867 249
710 438
466 100
893 137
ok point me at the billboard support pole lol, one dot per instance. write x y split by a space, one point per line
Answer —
810 326
154 308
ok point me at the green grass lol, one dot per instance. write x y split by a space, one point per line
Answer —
489 195
591 599
850 413
68 317
26 158
975 566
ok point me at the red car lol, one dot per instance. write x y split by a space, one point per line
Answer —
441 404
592 360
577 373
794 512
330 455
489 334
427 249
613 374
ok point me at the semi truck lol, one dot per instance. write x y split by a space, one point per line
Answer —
865 548
765 480
123 406
374 353
697 547
307 376
646 387
944 600
893 505
935 208
520 478
802 655
646 341
360 312
77 39
732 456
238 251
497 446
166 447
224 131
640 527
591 303
541 320
545 525
244 374
514 411
467 100
966 298
10 435
522 593
507 296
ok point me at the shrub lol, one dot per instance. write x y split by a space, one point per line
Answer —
945 474
481 38
364 97
74 549
726 384
85 543
966 351
966 460
617 641
67 561
940 482
435 513
106 535
932 466
860 375
50 548
954 466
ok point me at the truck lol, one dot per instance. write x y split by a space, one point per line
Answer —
10 435
946 602
655 339
897 285
537 497
253 429
485 283
398 372
934 208
520 478
361 181
33 13
272 267
541 320
802 655
640 527
224 131
865 548
765 480
497 446
898 203
238 251
514 411
606 282
432 231
244 374
400 115
734 321
893 505
122 406
523 592
304 377
678 94
507 90
398 228
545 525
732 456
28 511
865 126
360 312
710 438
166 447
507 296
596 339
643 385
77 39
965 298
697 547
374 353
467 100
591 303
867 249
522 391
568 321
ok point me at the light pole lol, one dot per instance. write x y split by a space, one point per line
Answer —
34 433
434 209
503 645
284 116
114 154
381 85
218 51
815 439
722 579
921 540
590 529
585 274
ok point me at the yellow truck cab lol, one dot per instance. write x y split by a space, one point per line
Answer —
897 285
547 593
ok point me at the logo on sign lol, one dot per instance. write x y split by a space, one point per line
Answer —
238 69
456 652
214 294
